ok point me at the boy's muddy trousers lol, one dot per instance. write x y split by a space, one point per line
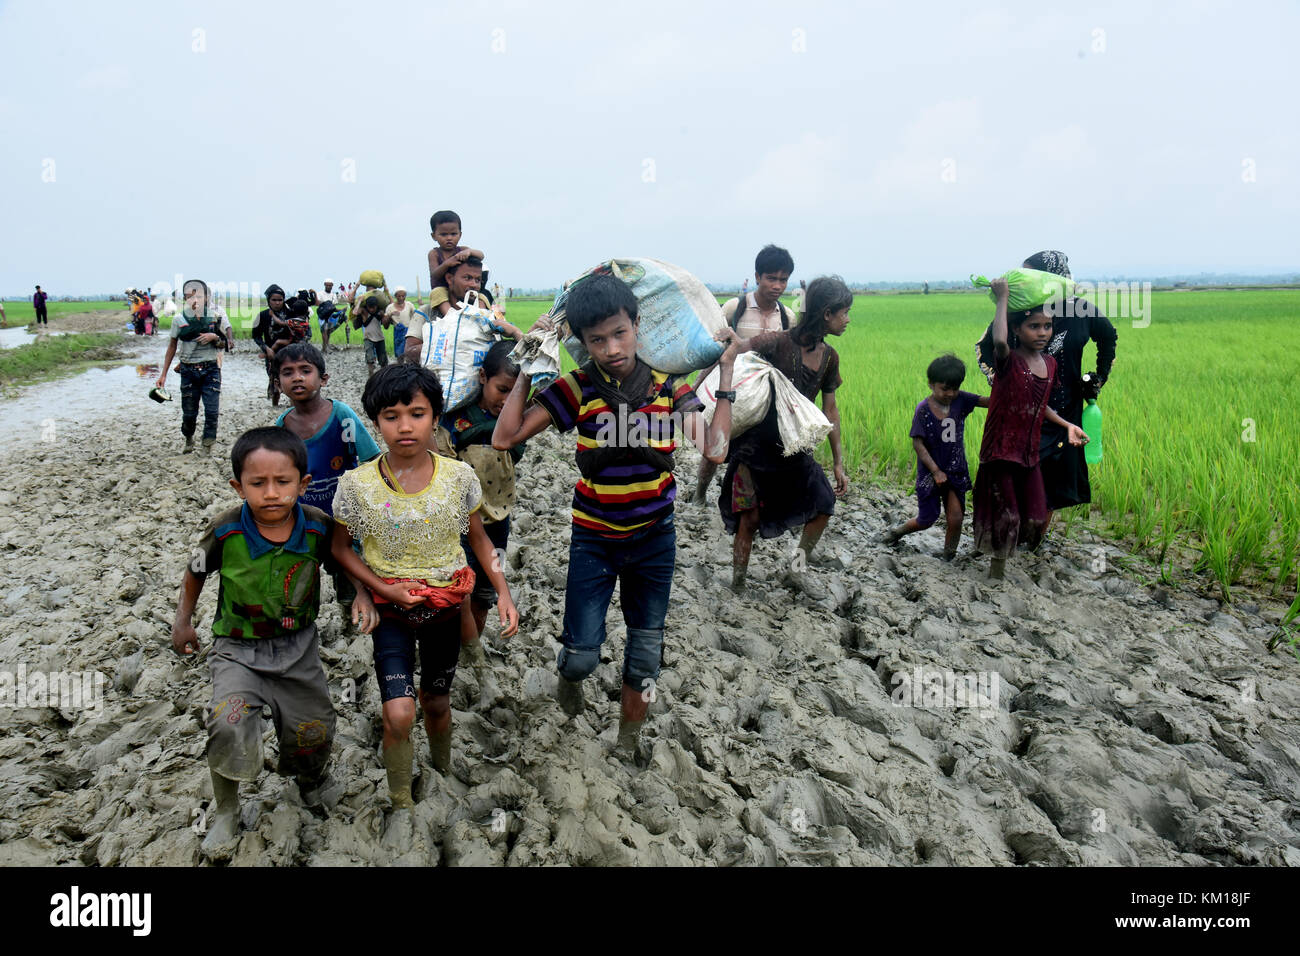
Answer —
200 380
642 566
284 673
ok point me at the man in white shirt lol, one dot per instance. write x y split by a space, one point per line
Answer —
762 310
400 314
330 294
750 314
335 295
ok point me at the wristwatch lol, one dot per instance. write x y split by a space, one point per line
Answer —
728 395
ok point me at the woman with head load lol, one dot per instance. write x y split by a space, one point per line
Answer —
1075 323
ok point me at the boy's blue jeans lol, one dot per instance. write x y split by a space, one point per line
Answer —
643 566
200 380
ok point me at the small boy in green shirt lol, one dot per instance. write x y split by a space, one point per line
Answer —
265 652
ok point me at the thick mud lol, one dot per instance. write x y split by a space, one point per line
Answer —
1107 723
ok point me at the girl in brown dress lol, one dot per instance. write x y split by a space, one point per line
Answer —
763 490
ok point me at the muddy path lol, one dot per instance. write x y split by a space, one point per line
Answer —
792 724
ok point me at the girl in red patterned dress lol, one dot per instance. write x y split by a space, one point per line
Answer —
1010 505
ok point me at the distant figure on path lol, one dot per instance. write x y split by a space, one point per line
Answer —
38 300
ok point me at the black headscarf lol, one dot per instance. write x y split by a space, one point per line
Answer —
1049 260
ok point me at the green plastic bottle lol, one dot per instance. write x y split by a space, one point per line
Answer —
1091 426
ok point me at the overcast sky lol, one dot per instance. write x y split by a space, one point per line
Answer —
284 142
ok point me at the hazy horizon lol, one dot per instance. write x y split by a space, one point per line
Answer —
874 143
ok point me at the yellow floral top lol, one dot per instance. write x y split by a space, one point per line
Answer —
410 536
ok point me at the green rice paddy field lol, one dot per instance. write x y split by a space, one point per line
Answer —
1201 444
1200 447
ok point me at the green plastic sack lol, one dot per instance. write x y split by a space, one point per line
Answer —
1029 288
382 297
372 277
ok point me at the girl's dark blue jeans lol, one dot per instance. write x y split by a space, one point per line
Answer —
643 567
200 380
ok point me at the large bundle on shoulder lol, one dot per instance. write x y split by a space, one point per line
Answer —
364 297
455 345
677 313
1029 288
757 385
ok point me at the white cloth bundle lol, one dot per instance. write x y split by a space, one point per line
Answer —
538 357
756 384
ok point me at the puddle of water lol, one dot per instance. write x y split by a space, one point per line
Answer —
86 400
12 338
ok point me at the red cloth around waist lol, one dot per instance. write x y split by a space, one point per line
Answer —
435 598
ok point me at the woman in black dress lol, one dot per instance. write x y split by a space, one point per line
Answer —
1075 323
764 490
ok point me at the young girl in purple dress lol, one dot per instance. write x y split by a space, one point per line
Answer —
1010 505
939 439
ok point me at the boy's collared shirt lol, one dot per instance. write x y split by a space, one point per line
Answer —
752 321
632 495
342 444
374 328
192 352
267 588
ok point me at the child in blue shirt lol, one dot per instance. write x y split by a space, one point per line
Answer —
336 438
938 436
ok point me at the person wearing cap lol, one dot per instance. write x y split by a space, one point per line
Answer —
401 314
330 318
